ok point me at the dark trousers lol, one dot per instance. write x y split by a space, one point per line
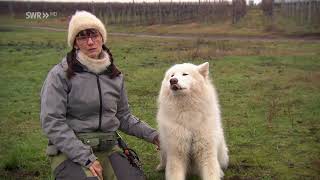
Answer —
114 163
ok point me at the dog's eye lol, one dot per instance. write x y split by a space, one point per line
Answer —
172 75
185 74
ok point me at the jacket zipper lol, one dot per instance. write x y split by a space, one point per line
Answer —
100 98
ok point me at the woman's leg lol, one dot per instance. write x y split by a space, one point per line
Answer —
116 166
108 173
64 169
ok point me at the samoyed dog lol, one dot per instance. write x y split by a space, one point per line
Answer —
191 134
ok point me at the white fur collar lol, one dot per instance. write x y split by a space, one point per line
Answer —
94 65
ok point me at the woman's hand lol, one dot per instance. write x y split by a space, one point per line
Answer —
156 142
96 169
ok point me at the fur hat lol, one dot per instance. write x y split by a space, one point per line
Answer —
82 20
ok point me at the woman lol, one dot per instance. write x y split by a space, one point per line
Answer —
84 103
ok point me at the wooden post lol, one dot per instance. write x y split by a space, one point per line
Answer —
309 11
159 13
11 9
92 7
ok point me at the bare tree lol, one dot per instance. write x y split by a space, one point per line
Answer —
239 9
267 7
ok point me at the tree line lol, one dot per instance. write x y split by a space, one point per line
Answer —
137 13
301 11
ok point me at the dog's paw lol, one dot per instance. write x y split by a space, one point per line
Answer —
160 167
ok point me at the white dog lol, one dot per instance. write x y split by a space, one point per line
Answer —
191 134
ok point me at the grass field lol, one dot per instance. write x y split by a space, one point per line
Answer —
269 94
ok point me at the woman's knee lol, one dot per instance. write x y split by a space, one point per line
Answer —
65 169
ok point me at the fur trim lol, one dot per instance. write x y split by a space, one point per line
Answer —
94 65
82 20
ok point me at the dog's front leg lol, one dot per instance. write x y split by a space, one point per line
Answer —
176 167
206 158
163 160
211 170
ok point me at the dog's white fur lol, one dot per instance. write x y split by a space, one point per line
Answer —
191 133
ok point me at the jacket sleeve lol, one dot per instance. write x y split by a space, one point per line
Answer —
53 119
131 124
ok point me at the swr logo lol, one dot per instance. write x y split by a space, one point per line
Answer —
37 15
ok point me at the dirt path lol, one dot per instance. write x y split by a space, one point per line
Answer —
192 37
220 37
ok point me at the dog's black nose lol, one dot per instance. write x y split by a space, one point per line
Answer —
173 81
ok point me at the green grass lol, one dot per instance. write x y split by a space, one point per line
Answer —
269 95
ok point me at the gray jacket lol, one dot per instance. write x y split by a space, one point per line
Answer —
85 103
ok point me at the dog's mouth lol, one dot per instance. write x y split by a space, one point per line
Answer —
176 87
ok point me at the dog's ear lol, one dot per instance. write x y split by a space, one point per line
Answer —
204 69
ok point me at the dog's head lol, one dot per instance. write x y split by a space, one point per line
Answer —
181 79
